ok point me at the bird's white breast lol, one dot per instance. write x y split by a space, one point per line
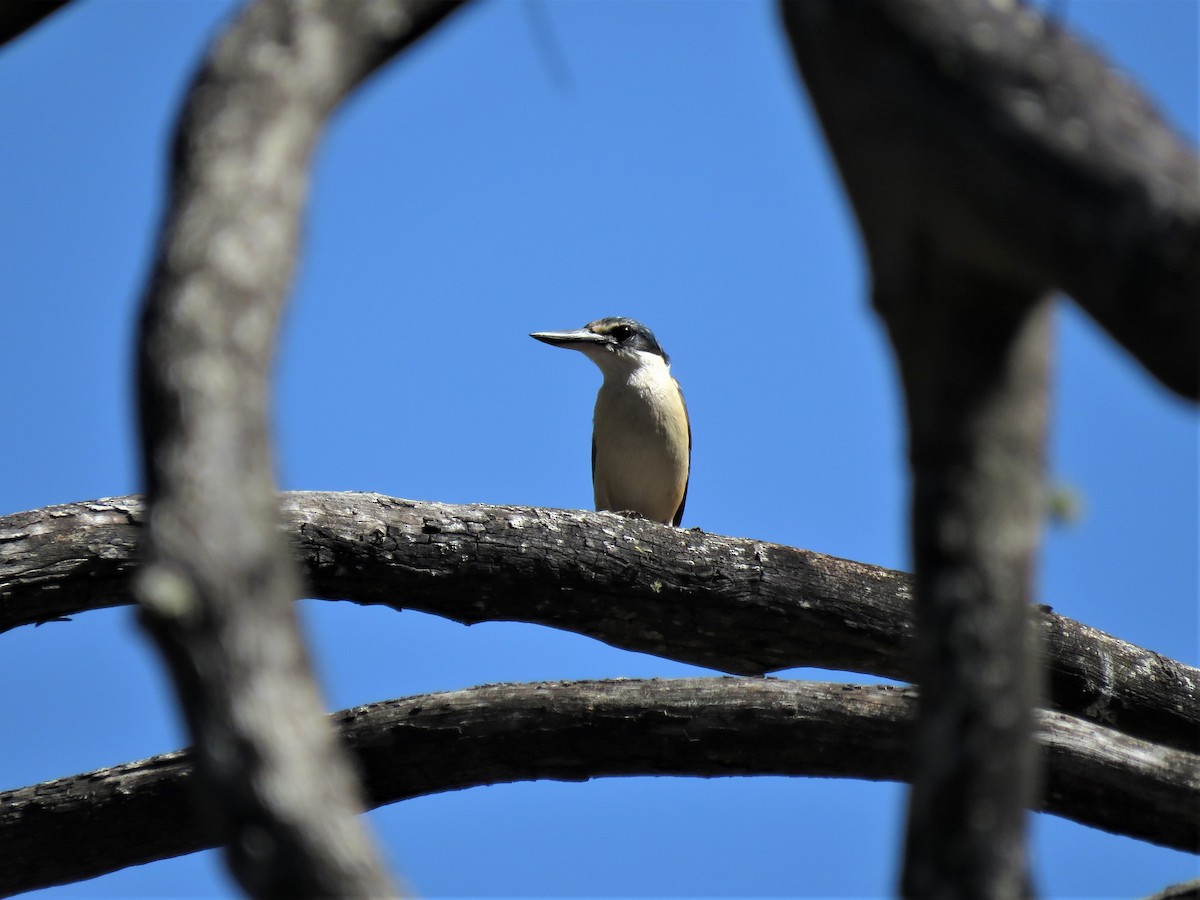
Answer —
641 441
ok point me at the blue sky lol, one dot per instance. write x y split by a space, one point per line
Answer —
470 194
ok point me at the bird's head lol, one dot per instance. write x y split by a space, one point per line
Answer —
615 343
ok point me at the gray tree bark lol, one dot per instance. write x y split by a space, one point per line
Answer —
80 827
217 579
992 159
731 604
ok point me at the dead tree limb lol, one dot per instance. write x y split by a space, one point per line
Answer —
215 588
730 604
976 385
18 16
992 159
1003 139
1188 890
80 827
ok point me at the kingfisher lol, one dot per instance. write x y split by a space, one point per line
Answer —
641 436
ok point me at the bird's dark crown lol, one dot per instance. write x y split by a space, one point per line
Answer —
626 332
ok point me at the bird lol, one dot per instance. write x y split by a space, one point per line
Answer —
641 435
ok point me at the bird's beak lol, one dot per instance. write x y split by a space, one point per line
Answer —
574 340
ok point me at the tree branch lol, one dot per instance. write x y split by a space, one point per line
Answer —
992 159
217 578
80 827
976 384
997 135
731 604
1188 890
18 16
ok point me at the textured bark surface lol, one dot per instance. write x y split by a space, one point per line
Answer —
79 827
217 578
731 604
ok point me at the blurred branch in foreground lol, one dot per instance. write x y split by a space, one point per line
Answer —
992 159
18 16
217 579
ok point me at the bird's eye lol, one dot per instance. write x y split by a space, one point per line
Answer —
621 332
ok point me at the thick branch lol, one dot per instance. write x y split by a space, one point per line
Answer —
1188 890
992 159
217 580
730 604
80 827
992 132
18 16
976 384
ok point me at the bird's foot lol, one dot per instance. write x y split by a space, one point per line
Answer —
630 514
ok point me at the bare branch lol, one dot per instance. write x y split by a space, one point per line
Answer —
992 159
731 604
1188 890
994 134
217 578
80 827
18 16
976 382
